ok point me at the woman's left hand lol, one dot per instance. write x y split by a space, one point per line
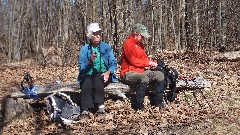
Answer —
106 76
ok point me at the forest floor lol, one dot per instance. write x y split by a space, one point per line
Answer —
219 114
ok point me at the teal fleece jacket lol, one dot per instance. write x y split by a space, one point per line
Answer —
107 55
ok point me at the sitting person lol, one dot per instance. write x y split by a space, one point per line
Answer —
134 65
96 70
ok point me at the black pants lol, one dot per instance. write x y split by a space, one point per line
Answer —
92 90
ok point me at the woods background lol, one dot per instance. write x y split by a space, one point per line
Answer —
30 26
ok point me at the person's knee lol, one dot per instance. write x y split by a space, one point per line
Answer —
87 80
144 78
98 85
86 85
159 76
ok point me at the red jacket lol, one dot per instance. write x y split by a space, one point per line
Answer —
133 56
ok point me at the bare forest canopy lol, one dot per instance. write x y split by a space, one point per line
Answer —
30 26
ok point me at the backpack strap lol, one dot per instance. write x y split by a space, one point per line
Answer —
66 97
52 108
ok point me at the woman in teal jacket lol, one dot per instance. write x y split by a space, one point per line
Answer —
96 70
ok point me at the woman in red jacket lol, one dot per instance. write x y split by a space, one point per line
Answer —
134 65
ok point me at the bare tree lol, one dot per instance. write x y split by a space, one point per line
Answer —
197 23
223 24
28 26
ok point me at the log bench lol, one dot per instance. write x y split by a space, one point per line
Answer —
118 89
17 103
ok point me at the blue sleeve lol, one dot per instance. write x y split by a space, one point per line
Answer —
83 60
112 62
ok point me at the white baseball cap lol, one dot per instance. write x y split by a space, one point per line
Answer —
93 27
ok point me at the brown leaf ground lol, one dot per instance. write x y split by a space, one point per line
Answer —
219 114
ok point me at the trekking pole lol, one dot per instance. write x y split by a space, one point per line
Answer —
193 92
194 95
188 102
204 97
201 92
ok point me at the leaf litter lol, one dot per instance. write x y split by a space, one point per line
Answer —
219 115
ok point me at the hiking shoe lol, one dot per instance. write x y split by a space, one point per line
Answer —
101 109
85 112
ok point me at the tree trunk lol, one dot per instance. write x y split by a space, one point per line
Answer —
223 25
93 10
160 28
178 37
197 25
173 27
165 29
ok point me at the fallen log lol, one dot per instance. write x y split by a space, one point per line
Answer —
228 56
18 103
17 65
118 89
72 87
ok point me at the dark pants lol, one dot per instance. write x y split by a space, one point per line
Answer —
141 80
92 90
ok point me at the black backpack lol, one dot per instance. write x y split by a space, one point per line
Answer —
61 108
171 76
